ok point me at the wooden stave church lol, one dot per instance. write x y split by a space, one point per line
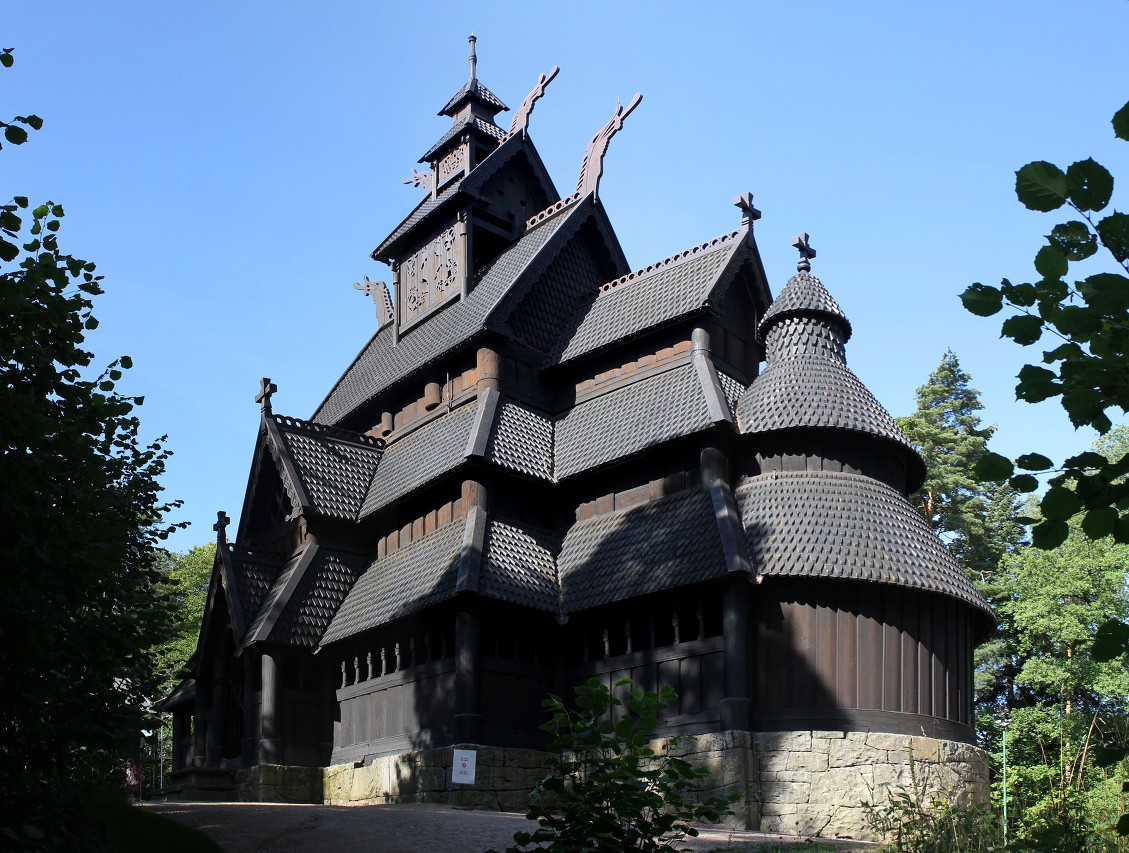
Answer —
544 467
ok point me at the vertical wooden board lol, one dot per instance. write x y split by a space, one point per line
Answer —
892 648
643 676
847 663
910 663
713 680
953 660
378 715
870 649
772 668
940 678
669 674
620 693
803 657
826 637
964 671
924 655
410 705
394 710
690 672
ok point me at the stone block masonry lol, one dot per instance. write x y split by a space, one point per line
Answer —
807 783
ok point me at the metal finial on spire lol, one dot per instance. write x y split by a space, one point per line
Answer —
221 527
266 388
473 59
744 202
806 252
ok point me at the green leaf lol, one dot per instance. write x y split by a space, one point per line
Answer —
1100 522
982 300
1024 329
6 59
32 121
21 201
1024 483
1050 262
1059 504
1121 124
40 211
8 251
1063 352
9 221
1048 535
1034 462
1074 240
1023 295
1078 322
1090 184
1114 231
1123 821
1051 290
1036 383
992 467
1086 459
15 135
1106 292
126 361
1041 186
90 324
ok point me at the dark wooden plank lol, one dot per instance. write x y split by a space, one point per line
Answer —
924 656
891 649
846 629
803 658
772 680
940 676
713 680
826 654
870 650
690 698
911 601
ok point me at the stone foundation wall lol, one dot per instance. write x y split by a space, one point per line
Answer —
808 783
814 783
503 779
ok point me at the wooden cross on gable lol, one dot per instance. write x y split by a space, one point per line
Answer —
221 527
806 251
749 214
266 388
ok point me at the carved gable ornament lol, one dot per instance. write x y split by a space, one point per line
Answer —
432 275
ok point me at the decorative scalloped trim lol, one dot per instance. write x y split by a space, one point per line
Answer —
299 425
666 262
551 210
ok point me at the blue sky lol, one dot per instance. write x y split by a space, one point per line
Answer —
230 165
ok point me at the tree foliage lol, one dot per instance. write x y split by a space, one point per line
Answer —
1085 327
82 519
608 788
185 590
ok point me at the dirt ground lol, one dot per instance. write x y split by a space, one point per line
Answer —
261 827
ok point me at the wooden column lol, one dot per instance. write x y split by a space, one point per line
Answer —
219 705
247 745
328 693
467 721
270 745
488 370
179 721
199 727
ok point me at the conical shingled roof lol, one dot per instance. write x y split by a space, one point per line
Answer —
804 294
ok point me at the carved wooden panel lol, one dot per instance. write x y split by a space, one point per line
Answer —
451 164
433 274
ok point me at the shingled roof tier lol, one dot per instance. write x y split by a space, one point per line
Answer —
382 362
417 576
627 420
665 544
836 525
254 575
654 295
421 456
803 294
473 88
485 127
518 567
336 469
319 593
522 440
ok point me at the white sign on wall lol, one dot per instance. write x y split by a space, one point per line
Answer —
462 772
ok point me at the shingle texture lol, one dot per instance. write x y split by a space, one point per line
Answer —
336 473
475 88
625 421
488 128
665 544
380 363
273 595
412 578
649 297
419 457
835 525
518 567
797 335
320 592
522 439
812 391
803 294
420 213
254 575
732 388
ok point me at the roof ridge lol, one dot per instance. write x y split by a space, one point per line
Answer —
550 211
677 257
298 425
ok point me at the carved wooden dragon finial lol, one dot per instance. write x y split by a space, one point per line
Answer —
420 179
377 291
806 252
521 117
266 388
593 166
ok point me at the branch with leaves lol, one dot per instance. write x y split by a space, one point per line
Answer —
1088 366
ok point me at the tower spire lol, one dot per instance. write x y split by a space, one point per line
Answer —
472 58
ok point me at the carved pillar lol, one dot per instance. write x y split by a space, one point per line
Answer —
219 705
467 721
270 745
179 724
247 745
328 693
199 727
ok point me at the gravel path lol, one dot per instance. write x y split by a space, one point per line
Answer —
266 828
